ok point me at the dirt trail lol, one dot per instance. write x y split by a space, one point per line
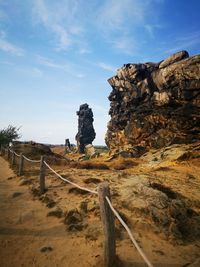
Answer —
25 230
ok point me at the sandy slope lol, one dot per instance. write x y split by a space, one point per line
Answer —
25 229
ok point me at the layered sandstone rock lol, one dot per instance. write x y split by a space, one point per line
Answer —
155 104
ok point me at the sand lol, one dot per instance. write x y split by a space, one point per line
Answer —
25 230
28 237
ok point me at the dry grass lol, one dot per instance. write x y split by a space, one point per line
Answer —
89 165
122 164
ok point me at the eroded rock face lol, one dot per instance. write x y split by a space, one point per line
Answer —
155 104
86 133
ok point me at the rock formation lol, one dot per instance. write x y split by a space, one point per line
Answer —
67 146
86 133
155 104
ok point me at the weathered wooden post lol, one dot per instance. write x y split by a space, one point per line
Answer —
108 225
21 164
8 153
13 159
42 175
10 156
2 150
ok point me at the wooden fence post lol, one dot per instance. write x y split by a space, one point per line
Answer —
3 150
13 159
21 164
108 225
8 154
42 175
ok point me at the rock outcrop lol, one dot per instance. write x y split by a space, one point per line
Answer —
159 205
86 133
155 104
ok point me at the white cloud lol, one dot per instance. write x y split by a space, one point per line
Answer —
48 63
84 51
113 15
69 22
151 29
60 18
45 15
106 66
126 45
186 41
64 38
69 68
8 47
120 21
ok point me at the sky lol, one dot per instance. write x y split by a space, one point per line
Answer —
58 54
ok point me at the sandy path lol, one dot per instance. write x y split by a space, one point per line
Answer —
25 229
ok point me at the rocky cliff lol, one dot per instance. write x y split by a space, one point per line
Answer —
155 104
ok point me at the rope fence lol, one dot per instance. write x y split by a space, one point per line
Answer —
31 160
66 180
106 208
18 155
129 233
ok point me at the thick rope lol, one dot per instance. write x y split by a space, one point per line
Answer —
12 151
66 180
129 233
30 160
16 154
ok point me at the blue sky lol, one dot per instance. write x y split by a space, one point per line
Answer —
56 55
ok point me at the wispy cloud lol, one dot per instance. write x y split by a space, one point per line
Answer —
8 47
60 18
83 51
31 72
49 63
187 41
113 14
125 44
69 22
151 28
106 66
121 22
69 68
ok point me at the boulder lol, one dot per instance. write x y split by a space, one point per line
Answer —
89 150
174 58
